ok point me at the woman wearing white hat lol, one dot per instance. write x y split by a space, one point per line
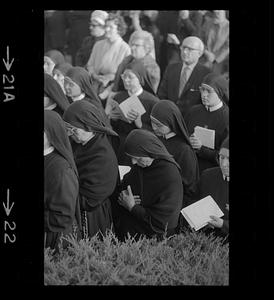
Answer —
97 33
107 54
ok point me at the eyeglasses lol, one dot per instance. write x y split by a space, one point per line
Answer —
188 48
128 76
95 25
222 157
137 45
70 129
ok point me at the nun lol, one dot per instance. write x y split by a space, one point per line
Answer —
152 192
168 124
54 97
96 163
212 114
133 82
78 87
215 182
61 186
51 58
59 72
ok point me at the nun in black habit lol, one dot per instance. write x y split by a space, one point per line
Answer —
212 114
81 77
61 186
54 97
215 182
152 192
168 123
133 81
52 58
96 163
78 87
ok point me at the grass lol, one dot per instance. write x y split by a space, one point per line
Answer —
190 258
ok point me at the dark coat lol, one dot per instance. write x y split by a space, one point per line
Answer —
169 86
98 172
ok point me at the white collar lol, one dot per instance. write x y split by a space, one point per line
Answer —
226 178
213 108
85 142
50 107
138 93
48 150
169 135
80 97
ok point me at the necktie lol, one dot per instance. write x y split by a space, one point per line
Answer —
183 80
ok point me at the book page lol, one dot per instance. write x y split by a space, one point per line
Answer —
199 212
123 170
134 103
206 136
113 106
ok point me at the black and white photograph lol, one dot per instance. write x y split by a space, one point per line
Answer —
135 169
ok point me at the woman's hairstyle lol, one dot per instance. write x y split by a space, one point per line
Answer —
145 36
119 21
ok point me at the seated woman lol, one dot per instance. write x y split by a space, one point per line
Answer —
152 192
133 83
59 72
168 123
51 58
215 182
142 44
212 114
54 97
61 187
96 163
107 54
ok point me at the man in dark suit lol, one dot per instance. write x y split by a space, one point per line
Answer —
181 80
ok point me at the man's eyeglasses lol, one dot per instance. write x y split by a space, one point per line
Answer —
136 45
96 25
188 48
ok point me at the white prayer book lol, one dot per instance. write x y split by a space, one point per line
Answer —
113 106
134 103
123 170
206 136
198 214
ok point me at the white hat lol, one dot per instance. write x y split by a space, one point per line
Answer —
100 16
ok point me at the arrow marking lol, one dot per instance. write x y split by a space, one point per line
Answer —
8 208
7 62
